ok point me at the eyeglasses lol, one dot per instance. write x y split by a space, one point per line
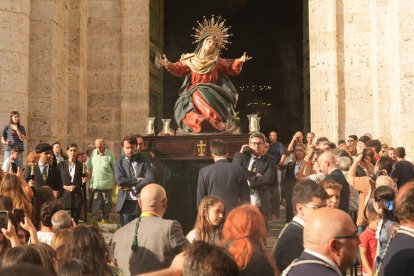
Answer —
354 236
350 141
257 143
314 206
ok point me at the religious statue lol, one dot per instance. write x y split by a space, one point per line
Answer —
207 98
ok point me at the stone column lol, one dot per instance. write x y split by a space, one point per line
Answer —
324 86
77 73
14 59
104 68
48 80
362 69
134 66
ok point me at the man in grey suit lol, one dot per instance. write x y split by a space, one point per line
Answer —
133 171
149 242
223 179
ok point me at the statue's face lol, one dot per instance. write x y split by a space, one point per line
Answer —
210 45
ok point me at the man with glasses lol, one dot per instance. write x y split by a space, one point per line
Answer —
260 171
102 164
330 242
307 197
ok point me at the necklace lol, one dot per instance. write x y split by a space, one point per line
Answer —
211 241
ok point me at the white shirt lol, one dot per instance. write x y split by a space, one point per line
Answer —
254 196
43 167
299 220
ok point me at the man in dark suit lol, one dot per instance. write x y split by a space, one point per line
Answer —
399 256
259 170
149 242
330 241
307 196
328 165
133 171
44 173
223 179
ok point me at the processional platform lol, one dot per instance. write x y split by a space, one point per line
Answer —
177 160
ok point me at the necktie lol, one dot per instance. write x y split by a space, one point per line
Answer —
44 173
131 170
254 164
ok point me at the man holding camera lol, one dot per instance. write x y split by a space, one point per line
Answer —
259 170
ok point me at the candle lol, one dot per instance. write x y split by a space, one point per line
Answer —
253 124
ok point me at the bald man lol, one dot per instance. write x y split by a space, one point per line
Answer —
149 242
399 256
328 165
330 240
102 164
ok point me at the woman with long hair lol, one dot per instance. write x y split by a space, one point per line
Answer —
384 205
71 172
209 222
244 235
13 136
11 186
87 243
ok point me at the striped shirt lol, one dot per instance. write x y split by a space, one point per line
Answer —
8 135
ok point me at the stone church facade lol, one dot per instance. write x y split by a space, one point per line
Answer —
82 69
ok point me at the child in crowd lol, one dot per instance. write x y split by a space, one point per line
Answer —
333 189
210 220
368 243
384 206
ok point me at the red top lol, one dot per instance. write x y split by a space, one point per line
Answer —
368 241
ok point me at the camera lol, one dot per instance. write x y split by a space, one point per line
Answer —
19 214
247 150
4 219
14 167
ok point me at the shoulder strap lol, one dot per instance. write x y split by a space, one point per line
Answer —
379 259
273 253
297 262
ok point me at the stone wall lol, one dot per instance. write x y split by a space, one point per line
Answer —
104 71
14 58
48 78
361 69
80 73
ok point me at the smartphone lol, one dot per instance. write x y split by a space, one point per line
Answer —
14 167
4 219
19 214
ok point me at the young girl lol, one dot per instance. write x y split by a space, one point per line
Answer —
384 206
210 220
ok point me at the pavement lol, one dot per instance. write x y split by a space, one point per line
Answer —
275 227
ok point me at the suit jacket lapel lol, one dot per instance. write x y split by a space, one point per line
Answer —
125 166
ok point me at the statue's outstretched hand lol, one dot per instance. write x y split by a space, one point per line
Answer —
164 61
244 57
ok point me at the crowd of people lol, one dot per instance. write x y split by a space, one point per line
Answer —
346 202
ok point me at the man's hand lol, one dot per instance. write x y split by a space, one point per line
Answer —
243 147
56 194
